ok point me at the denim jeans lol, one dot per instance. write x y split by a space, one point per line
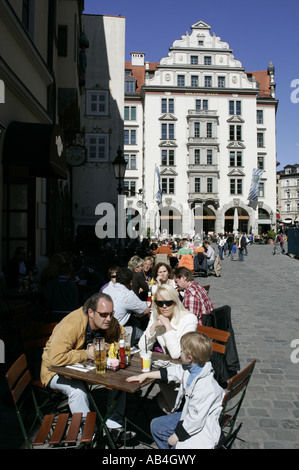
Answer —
241 254
163 427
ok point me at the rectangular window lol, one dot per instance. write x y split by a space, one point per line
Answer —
181 80
130 113
201 104
97 147
167 131
207 60
260 162
197 156
235 108
209 130
194 60
167 105
208 81
96 103
235 132
196 129
259 116
130 137
197 185
167 157
261 189
131 161
209 185
209 157
235 158
167 185
260 139
221 82
194 80
236 186
129 188
130 85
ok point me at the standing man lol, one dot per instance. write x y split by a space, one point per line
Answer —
68 345
195 298
241 246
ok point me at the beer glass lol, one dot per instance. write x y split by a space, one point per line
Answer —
99 355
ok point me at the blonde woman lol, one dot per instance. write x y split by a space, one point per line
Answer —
169 320
139 284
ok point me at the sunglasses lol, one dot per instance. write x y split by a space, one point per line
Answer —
113 277
160 303
105 314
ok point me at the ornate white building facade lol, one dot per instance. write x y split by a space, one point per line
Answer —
205 124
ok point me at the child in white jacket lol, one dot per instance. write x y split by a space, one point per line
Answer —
196 426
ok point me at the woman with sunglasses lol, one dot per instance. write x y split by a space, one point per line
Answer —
168 322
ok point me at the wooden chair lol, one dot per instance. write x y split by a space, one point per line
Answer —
207 288
35 338
219 341
232 402
54 431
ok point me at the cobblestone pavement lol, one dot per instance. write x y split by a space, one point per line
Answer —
263 292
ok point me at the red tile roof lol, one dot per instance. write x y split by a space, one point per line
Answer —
263 79
138 72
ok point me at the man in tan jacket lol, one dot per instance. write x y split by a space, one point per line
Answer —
68 345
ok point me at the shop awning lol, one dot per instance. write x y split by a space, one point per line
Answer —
39 147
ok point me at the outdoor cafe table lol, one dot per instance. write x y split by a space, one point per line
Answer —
112 381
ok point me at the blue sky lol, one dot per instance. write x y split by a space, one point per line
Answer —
258 32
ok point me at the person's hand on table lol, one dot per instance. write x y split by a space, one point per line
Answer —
156 374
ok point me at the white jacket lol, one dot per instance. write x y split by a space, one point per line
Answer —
169 341
199 425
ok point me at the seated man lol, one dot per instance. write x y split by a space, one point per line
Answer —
210 254
163 250
195 299
68 345
127 305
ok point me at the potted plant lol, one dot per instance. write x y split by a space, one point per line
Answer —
271 235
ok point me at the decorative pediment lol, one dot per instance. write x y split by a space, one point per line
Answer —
168 172
168 144
236 172
168 117
200 25
236 144
236 119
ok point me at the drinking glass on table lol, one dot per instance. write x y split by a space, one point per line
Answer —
99 352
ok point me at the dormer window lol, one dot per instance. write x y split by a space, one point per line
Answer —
130 85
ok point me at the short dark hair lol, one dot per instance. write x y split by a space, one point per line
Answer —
124 276
93 301
182 271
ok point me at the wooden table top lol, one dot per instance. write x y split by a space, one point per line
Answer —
111 379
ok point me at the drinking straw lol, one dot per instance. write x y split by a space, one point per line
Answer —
145 345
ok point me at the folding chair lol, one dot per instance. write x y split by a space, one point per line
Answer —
34 339
219 341
54 432
232 402
207 288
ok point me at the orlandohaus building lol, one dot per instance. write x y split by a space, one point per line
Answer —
196 125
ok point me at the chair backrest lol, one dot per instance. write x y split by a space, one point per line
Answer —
187 262
207 288
18 378
237 387
219 337
36 336
161 258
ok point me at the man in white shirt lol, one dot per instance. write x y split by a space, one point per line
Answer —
210 253
127 305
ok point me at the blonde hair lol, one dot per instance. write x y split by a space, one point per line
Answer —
135 262
198 346
168 292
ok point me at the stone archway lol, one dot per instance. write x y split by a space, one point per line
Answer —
243 220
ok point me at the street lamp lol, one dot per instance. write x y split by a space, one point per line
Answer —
119 167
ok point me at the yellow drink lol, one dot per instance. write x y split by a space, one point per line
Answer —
100 361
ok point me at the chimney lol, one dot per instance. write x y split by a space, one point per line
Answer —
137 59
